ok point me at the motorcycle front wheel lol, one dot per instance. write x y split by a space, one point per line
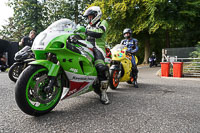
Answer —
15 70
114 80
31 94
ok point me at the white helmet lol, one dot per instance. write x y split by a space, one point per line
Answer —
127 30
96 12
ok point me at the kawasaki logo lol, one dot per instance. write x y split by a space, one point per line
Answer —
73 70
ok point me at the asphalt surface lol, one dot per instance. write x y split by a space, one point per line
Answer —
159 105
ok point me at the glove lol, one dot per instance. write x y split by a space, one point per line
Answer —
80 29
128 51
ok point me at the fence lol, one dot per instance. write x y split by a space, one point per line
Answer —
191 66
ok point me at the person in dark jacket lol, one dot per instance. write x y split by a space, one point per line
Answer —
28 40
3 65
132 48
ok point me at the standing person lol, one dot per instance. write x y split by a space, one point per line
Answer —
132 48
3 65
96 32
28 40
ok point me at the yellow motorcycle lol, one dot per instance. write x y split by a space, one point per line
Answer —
121 66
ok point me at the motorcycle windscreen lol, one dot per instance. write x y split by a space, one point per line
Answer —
58 28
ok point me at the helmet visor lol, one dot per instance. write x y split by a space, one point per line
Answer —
127 35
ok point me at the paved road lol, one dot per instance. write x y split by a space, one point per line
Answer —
159 105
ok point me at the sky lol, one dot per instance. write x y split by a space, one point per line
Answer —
5 12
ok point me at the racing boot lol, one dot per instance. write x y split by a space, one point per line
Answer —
135 82
104 97
135 73
101 70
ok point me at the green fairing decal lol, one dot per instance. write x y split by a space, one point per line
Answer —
52 68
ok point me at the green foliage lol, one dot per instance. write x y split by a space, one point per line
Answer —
27 16
38 15
180 19
73 9
154 21
139 15
196 53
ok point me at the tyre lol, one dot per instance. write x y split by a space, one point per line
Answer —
114 80
31 95
14 71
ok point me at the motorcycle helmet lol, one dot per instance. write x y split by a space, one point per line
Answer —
127 30
153 54
95 11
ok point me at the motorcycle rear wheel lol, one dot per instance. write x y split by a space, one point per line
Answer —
14 71
30 94
114 80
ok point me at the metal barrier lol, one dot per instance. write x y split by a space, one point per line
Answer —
191 66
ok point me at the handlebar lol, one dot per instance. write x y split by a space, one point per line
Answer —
128 53
72 39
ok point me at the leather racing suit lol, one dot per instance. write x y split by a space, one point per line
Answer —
132 48
97 35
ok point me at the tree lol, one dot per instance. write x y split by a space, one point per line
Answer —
196 53
150 19
137 14
77 8
38 15
27 16
156 24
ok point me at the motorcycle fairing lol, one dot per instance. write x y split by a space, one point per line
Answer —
58 28
75 59
78 84
86 52
119 55
23 54
52 68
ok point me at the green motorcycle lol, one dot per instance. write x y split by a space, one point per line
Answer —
63 68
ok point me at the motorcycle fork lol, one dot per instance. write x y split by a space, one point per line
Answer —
120 71
119 74
49 88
